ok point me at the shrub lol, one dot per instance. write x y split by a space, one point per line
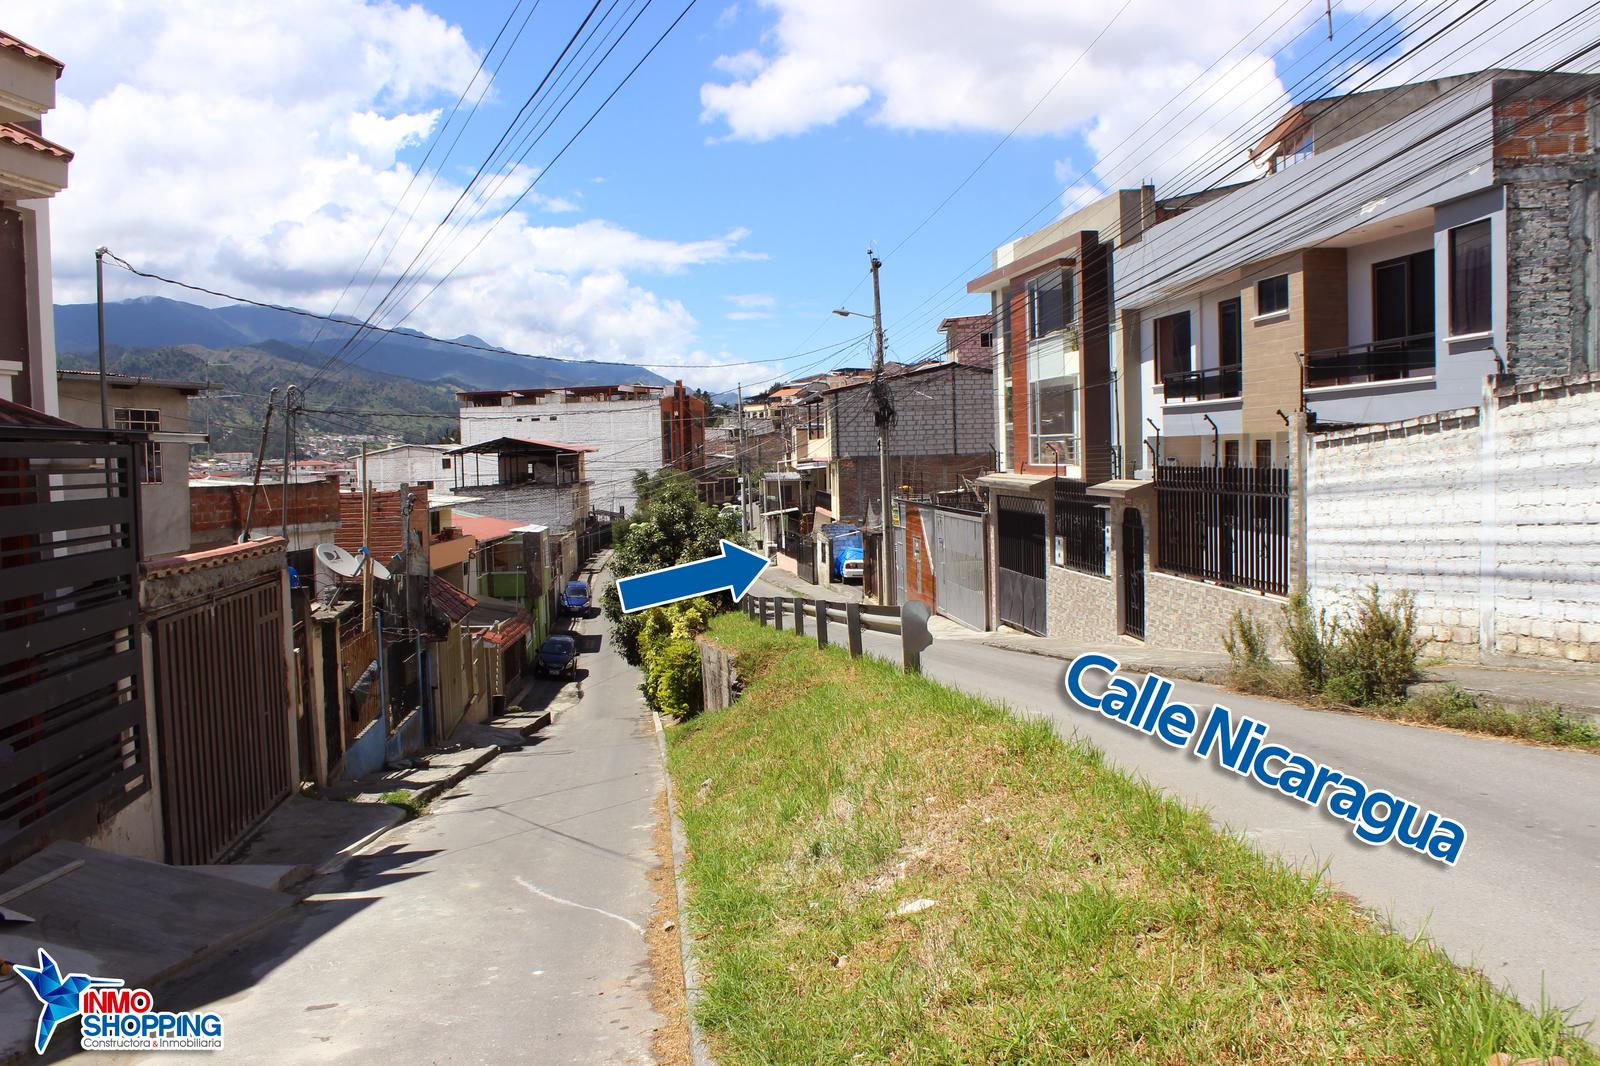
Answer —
673 683
1246 642
1308 639
1375 658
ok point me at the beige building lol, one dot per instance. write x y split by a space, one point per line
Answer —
32 170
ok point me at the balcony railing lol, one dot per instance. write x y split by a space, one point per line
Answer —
1212 383
1387 360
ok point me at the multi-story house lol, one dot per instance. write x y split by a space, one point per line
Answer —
32 170
1404 244
1055 398
628 428
969 339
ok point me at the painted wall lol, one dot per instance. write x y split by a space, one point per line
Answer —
410 464
1489 515
626 436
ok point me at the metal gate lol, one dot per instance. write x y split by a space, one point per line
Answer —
222 713
958 567
1133 572
805 558
1020 562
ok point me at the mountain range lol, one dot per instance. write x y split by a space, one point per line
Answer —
156 322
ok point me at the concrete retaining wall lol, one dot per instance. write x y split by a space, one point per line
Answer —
1183 613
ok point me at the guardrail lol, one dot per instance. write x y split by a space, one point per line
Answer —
909 622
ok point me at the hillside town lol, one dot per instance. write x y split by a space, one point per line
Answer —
339 694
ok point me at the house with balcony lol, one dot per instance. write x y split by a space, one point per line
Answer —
33 169
1404 244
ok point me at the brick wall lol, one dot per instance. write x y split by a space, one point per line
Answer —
945 411
1080 606
918 475
385 527
1491 519
217 512
1183 613
921 585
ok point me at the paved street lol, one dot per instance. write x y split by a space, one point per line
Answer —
1518 903
505 925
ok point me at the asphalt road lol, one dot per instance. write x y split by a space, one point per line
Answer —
505 925
1521 902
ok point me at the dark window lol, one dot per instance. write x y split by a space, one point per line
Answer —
1402 297
1272 295
1230 336
445 463
1263 454
143 421
1172 344
986 340
1230 453
1469 279
1049 303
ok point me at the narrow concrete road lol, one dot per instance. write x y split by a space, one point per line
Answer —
504 925
1520 902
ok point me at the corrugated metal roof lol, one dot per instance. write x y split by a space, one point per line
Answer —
15 414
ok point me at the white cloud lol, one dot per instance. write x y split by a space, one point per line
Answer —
752 300
252 148
1206 72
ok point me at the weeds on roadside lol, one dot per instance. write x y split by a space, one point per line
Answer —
1370 663
404 797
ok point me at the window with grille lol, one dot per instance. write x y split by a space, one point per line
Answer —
143 420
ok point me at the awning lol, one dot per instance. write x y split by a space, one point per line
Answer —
511 632
1121 489
1014 482
520 446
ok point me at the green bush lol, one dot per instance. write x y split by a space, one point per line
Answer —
673 683
1308 638
670 656
1375 657
1246 642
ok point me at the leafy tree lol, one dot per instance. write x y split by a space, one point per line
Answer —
669 526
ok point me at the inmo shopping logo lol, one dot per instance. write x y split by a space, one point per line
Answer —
115 1017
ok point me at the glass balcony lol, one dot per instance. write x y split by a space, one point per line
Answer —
1212 383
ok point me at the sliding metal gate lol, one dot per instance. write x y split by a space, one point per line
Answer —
958 567
1020 569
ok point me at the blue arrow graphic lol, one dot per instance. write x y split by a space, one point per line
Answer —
735 570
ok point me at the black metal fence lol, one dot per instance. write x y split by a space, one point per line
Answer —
1080 527
1224 524
72 715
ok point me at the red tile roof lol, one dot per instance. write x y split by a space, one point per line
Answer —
485 529
10 131
8 41
449 600
511 631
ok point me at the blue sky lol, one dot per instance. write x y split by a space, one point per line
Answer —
722 204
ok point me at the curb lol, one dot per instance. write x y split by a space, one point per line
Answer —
699 1051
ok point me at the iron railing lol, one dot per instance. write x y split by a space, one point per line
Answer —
1080 527
1386 360
1212 383
1225 524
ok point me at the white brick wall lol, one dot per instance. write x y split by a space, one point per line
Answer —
1492 521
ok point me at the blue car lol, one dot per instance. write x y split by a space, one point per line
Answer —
558 656
575 600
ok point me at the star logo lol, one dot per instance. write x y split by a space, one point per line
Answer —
59 995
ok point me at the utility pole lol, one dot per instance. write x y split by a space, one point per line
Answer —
261 456
738 444
883 415
100 318
288 454
366 543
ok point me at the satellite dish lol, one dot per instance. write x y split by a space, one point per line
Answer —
379 571
338 560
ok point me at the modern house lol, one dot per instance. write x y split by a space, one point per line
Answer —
32 170
628 428
1405 244
160 410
